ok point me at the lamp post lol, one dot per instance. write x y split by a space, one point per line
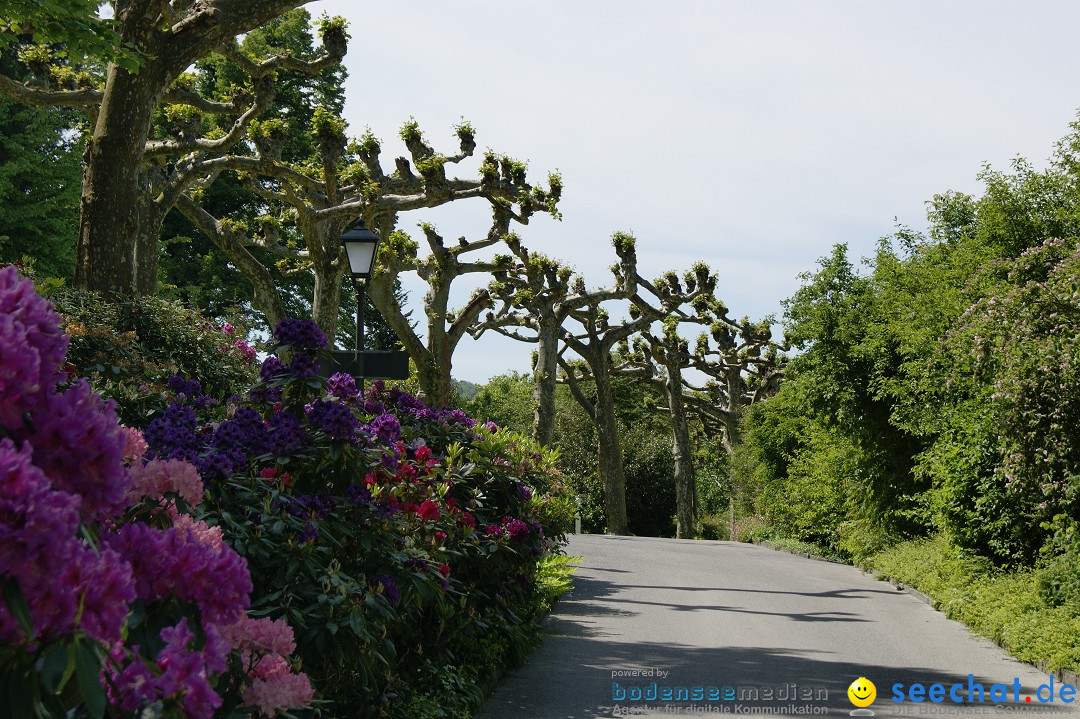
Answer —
361 247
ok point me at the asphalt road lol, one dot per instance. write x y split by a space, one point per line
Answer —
650 615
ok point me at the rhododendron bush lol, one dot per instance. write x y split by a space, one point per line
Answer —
115 597
396 539
130 347
211 563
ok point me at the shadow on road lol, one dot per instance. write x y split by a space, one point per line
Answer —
572 675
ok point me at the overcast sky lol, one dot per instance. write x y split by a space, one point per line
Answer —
752 135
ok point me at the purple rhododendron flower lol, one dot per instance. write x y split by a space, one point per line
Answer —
32 346
303 366
342 386
179 385
37 526
174 562
105 608
286 433
173 434
387 587
300 334
386 427
334 418
272 367
184 673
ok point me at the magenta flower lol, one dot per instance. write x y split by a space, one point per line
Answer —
177 563
79 446
32 346
429 510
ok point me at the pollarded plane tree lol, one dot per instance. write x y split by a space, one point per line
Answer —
535 295
743 366
344 181
144 52
659 357
593 343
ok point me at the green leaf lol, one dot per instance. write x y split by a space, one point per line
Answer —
88 675
17 604
53 665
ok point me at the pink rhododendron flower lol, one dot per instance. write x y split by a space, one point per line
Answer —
134 444
200 530
159 477
275 687
262 636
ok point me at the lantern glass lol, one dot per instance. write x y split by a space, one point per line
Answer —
361 246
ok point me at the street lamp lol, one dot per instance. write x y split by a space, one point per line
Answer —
361 247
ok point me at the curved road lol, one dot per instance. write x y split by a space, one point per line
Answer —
751 630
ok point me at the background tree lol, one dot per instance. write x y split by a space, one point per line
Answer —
659 358
594 343
537 293
345 181
120 220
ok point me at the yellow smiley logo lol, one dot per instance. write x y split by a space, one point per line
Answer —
862 692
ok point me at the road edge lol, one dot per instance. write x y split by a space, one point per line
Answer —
1062 675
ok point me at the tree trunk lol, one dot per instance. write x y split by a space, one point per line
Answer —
110 223
544 376
434 382
610 453
326 301
685 491
151 218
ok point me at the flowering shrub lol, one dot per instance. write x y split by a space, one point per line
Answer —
129 349
114 595
1006 466
401 542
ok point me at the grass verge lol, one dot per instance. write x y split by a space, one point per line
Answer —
1006 607
806 549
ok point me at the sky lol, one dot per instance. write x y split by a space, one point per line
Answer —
751 135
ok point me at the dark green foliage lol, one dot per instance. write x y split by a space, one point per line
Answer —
650 488
1007 607
129 349
40 181
507 400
